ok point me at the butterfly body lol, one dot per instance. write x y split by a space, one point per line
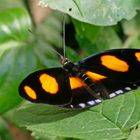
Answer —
87 82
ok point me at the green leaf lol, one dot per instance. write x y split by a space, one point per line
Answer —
87 31
5 4
94 39
51 29
4 131
15 56
108 39
98 12
135 134
132 31
21 53
72 55
110 120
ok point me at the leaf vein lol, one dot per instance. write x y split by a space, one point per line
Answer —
121 106
133 109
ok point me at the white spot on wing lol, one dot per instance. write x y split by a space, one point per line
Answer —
82 105
112 95
71 106
98 101
119 92
127 88
91 102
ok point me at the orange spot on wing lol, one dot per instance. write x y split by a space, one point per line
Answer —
114 63
49 83
30 92
95 76
137 54
76 82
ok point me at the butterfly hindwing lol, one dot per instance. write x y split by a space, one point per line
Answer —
49 86
81 96
120 64
113 88
105 88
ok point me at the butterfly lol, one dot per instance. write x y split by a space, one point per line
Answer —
86 83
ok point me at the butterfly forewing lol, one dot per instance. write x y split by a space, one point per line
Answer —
115 72
49 86
119 64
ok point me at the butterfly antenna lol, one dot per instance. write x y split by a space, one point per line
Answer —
64 46
63 41
61 56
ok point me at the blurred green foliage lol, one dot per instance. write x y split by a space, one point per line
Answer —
25 47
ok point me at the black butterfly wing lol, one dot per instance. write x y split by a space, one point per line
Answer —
114 72
119 64
82 96
56 87
110 88
50 86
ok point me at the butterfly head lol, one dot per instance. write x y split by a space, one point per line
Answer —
64 61
67 64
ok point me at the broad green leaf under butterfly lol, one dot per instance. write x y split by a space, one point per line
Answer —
110 120
135 133
98 12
